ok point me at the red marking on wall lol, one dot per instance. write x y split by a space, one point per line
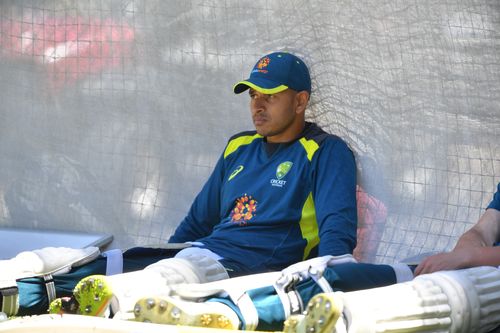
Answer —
68 48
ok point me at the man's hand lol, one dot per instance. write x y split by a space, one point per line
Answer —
457 259
474 248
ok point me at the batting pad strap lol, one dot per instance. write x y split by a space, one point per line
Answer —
285 285
9 297
114 261
50 287
247 310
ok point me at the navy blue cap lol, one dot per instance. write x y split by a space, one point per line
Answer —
277 72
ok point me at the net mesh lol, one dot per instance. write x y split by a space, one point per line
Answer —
113 113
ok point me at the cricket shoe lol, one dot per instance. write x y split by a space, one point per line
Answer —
174 311
64 305
320 316
93 296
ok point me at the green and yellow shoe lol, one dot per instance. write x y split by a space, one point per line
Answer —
295 324
173 311
93 295
64 305
320 316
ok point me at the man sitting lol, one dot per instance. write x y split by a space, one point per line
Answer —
278 195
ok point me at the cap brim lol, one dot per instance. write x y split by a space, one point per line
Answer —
261 86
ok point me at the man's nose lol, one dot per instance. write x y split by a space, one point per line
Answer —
258 104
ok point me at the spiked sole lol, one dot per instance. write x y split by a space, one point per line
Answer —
93 295
295 324
63 305
177 312
321 314
56 307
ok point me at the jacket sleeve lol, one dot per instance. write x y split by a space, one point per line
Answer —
495 203
334 194
204 213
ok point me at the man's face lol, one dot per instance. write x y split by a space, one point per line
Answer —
275 116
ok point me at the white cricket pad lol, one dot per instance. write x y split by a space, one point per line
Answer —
458 301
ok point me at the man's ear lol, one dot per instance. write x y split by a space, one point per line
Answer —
302 100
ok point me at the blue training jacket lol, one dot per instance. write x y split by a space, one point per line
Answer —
266 212
495 203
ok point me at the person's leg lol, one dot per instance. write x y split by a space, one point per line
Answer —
450 301
33 294
96 293
263 303
343 277
33 297
187 307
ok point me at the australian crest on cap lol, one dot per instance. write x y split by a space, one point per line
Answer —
263 63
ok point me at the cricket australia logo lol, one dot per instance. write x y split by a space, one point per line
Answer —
281 172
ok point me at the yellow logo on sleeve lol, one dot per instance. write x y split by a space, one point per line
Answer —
236 171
